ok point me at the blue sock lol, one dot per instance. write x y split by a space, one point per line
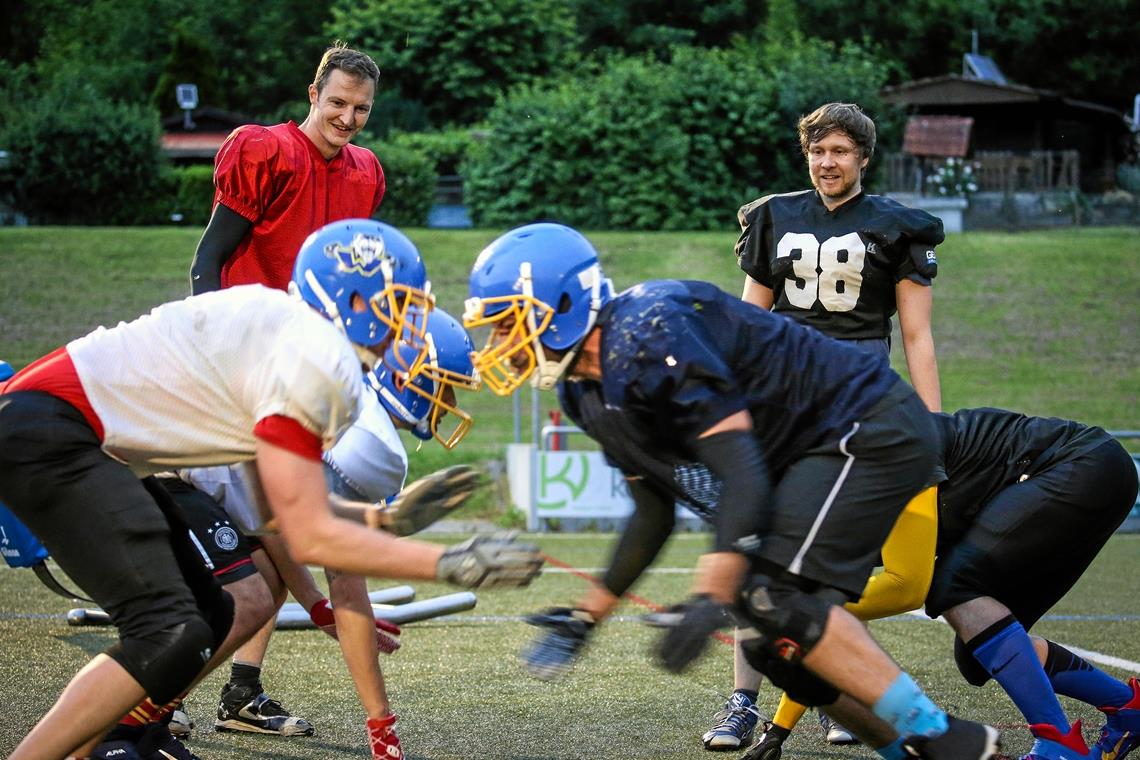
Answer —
1076 678
894 751
909 711
1008 656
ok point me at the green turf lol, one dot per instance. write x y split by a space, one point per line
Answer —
460 692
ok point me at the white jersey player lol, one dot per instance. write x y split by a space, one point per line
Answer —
78 426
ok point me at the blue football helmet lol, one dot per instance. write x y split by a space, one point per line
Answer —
538 287
423 395
369 279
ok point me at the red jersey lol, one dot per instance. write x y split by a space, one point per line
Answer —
277 179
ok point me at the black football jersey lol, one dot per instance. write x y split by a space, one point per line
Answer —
986 450
837 270
680 356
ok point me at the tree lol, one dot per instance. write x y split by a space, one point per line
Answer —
456 56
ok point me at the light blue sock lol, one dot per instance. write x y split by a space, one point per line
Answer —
894 751
909 711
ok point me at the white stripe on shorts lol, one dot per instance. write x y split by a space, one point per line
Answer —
797 563
202 551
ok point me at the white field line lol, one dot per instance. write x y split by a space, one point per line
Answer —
1088 654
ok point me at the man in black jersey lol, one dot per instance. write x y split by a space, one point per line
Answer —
1027 504
815 448
839 259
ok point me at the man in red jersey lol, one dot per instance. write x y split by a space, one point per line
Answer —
277 184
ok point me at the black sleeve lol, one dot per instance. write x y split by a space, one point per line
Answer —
751 249
735 457
644 535
227 228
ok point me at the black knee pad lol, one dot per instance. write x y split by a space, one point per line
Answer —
790 618
166 662
968 665
800 684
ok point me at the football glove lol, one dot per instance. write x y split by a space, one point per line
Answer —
687 630
430 498
552 653
488 561
387 634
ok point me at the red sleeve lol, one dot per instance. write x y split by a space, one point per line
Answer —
287 433
244 169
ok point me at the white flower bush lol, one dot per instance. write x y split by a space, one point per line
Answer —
953 179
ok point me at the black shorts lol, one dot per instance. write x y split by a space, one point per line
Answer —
834 507
224 548
1029 545
126 548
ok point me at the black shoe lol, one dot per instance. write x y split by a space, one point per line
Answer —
246 708
770 745
963 740
159 744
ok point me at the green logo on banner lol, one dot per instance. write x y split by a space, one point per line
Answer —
563 477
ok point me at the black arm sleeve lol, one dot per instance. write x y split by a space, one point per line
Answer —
735 457
225 231
644 535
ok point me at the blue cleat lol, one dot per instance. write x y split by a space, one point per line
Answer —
734 724
1051 744
1121 732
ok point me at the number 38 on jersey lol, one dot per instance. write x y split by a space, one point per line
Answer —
830 272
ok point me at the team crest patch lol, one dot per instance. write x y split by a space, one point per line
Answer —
365 254
226 538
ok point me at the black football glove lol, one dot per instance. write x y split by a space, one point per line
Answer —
687 630
564 632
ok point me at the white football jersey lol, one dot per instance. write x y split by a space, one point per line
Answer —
185 385
370 457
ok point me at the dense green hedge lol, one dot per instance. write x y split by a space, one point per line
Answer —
410 178
667 145
193 198
78 158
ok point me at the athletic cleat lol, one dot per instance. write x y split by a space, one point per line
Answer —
962 740
835 733
382 738
245 708
733 724
180 724
1121 732
157 743
1051 744
770 745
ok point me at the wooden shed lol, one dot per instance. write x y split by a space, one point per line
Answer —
1023 122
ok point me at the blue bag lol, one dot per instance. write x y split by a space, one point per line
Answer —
19 547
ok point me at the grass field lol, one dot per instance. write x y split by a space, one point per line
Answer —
1046 323
461 692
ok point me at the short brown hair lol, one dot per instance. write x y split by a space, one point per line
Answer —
350 61
838 117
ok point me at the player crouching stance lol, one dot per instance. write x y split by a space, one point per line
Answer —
246 374
810 449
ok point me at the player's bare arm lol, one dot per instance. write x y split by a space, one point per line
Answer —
295 489
915 305
757 294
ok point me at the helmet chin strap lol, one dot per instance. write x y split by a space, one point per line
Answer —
548 372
